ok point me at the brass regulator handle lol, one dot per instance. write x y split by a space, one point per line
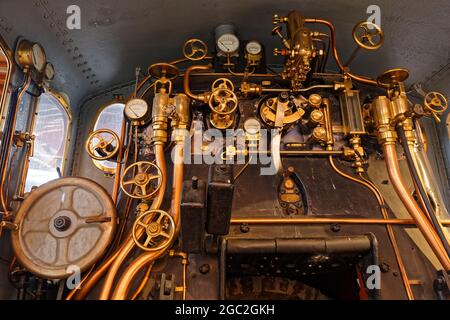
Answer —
195 49
222 83
159 230
103 144
367 39
223 101
435 102
141 180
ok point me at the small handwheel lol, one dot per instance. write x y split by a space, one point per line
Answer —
159 230
223 101
195 49
163 70
368 35
144 183
102 144
435 102
222 83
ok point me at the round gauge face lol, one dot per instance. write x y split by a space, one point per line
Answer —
39 58
49 71
252 126
136 109
253 47
228 43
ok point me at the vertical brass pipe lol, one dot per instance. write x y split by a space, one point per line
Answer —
115 192
125 282
328 122
130 244
411 205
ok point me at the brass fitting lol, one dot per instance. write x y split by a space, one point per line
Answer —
182 109
382 116
160 118
250 88
319 134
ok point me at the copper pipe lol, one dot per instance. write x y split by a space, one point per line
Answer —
125 282
115 192
368 221
129 244
341 67
9 144
227 74
87 282
141 84
392 237
186 85
186 59
143 282
411 205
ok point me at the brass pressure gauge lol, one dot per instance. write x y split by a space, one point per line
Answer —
227 42
253 52
49 72
30 55
136 110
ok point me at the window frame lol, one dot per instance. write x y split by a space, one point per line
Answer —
65 107
10 68
99 163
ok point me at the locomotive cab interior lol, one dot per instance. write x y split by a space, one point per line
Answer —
223 151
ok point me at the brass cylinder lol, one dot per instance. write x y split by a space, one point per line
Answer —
182 105
160 118
382 116
400 106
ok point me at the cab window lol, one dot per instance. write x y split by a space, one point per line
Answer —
51 131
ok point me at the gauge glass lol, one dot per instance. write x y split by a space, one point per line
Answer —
49 71
136 109
252 126
228 43
253 47
39 58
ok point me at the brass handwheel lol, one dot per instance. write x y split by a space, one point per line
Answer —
435 102
368 35
195 49
102 144
144 180
222 83
159 230
223 101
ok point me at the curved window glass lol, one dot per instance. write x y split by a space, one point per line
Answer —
51 131
110 117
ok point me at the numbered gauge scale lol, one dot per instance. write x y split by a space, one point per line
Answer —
136 110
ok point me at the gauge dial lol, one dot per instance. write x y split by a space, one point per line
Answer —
49 71
252 126
253 47
136 109
228 43
38 56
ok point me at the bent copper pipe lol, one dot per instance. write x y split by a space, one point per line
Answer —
368 184
122 252
411 205
341 67
129 244
125 282
186 81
